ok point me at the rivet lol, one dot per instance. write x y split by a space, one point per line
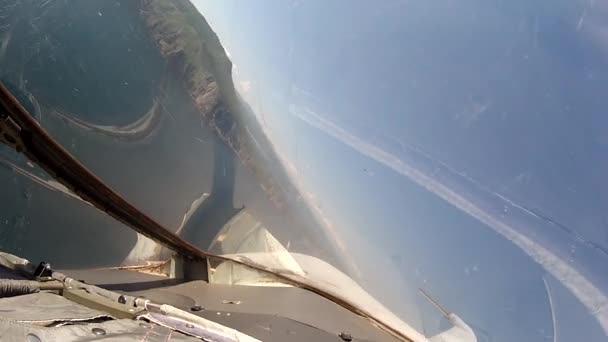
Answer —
143 325
131 310
122 299
345 337
98 331
32 338
189 326
196 308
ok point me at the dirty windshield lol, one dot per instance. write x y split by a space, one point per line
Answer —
437 164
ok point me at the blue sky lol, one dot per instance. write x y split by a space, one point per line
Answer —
460 142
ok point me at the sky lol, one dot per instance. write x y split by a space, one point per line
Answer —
461 143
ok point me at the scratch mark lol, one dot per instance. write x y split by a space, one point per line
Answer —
472 204
553 318
581 20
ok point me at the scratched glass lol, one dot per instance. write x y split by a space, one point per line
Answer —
439 164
